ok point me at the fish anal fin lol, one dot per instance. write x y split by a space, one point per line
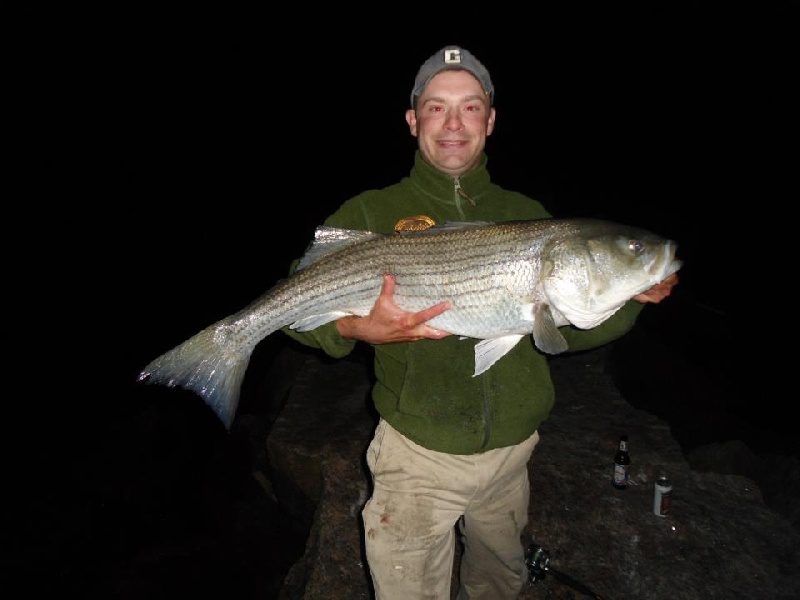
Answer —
488 352
313 321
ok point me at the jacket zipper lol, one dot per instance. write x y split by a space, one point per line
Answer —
459 193
487 414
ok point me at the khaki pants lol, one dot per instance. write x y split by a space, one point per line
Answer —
420 495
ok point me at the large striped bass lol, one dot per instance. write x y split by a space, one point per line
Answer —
503 281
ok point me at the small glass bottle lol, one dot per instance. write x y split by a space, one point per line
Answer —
622 464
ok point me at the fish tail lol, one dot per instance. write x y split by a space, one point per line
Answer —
210 363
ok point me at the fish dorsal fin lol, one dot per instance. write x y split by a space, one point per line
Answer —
546 335
328 240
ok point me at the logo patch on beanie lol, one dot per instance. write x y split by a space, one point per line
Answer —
452 56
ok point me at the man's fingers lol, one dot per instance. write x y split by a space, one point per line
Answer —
436 334
417 320
426 315
388 285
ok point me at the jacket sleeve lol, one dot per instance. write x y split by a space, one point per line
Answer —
614 327
326 338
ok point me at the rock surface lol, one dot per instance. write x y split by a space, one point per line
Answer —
721 540
140 492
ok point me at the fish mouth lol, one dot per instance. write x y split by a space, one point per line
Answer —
670 264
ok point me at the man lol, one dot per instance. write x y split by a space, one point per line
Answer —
450 449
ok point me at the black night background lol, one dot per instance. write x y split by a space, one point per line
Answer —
193 155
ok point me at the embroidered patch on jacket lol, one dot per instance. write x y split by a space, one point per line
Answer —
415 223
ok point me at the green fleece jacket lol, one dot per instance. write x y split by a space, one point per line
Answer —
426 389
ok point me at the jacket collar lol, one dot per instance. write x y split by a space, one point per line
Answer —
474 182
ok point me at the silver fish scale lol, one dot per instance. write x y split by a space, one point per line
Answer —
485 273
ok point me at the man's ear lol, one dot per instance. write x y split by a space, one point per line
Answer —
411 119
490 121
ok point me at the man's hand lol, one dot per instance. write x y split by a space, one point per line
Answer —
659 291
387 322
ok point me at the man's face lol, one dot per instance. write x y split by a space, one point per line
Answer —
452 121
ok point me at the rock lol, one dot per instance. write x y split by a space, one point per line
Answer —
720 539
327 405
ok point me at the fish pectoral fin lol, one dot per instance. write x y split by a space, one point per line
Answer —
546 335
488 352
314 321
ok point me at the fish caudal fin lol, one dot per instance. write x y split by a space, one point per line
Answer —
206 365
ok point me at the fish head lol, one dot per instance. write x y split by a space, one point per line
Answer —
588 277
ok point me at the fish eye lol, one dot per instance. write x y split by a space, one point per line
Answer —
636 246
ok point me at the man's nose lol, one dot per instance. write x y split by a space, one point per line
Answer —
453 121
